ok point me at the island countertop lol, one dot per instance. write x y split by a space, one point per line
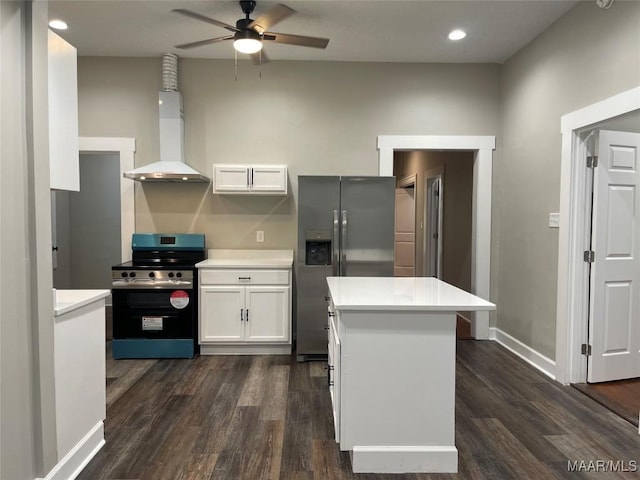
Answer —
402 293
65 301
229 258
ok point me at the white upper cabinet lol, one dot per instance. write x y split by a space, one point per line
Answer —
64 154
250 179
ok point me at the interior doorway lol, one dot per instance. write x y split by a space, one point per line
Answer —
572 330
86 226
481 147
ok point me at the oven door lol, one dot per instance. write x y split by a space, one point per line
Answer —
153 313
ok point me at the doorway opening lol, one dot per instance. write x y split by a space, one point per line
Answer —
573 272
481 148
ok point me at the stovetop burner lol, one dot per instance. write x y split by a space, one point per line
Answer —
161 251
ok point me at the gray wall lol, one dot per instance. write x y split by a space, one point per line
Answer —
588 55
316 117
27 404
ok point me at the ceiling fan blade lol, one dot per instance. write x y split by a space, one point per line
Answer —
200 43
260 57
300 40
197 16
276 14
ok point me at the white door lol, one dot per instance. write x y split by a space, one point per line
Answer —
267 314
221 314
433 232
404 239
614 326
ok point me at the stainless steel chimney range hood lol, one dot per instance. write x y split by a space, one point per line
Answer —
171 167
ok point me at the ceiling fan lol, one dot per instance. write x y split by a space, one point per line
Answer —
248 34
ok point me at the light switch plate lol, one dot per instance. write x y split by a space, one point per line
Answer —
554 220
260 236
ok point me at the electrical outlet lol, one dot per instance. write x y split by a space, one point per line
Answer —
554 220
260 236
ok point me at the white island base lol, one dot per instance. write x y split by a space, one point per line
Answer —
392 347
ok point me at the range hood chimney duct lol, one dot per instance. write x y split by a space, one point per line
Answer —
171 167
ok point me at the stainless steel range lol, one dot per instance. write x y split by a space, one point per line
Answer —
155 297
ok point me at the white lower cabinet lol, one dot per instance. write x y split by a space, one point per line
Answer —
244 311
334 371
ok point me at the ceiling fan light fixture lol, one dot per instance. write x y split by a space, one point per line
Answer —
247 41
457 34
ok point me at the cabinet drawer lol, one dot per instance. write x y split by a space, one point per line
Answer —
244 277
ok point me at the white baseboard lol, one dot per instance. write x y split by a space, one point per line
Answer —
404 459
79 456
211 349
528 354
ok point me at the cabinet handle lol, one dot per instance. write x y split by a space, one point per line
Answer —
241 314
332 314
244 278
327 298
326 327
246 317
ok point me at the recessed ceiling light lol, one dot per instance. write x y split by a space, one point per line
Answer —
457 34
58 24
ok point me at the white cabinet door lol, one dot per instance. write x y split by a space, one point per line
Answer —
267 314
269 178
64 152
231 178
334 375
250 179
222 314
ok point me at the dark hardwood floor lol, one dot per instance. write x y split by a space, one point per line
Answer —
268 417
621 397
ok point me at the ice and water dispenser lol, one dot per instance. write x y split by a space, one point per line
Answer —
317 247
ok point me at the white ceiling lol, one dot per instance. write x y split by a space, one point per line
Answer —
359 30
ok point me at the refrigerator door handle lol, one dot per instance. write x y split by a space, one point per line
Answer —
343 245
335 242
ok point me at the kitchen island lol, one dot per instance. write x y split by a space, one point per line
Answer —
79 369
392 353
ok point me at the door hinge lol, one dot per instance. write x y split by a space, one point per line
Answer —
589 256
586 349
592 161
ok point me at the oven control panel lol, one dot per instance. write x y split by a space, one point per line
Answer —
151 278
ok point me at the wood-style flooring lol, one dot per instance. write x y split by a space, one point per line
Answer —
268 417
621 397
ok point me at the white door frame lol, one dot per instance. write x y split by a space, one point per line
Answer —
126 148
483 147
571 329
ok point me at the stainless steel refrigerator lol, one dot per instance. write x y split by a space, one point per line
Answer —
345 228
